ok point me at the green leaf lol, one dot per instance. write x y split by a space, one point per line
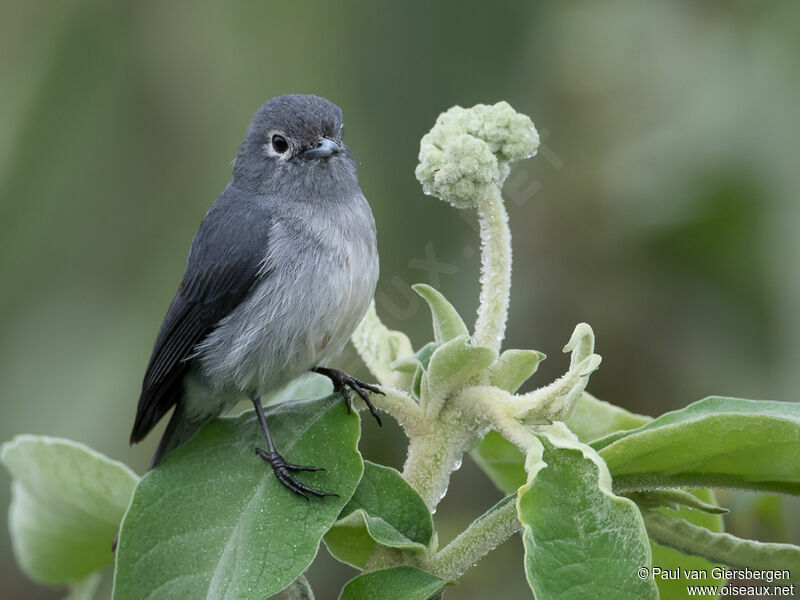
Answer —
674 499
416 365
312 385
299 589
594 419
398 583
384 510
452 366
447 324
513 368
720 547
581 541
670 560
416 381
213 521
67 502
420 357
716 442
502 462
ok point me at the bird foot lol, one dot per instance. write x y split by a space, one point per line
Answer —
342 381
283 471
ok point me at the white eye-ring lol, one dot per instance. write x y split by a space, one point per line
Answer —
278 145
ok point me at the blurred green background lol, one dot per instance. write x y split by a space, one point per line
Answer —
662 209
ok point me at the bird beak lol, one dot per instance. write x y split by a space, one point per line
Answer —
324 148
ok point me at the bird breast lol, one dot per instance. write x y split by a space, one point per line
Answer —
318 278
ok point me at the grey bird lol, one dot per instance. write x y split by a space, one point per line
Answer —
280 273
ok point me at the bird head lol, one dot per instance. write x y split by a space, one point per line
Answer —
292 138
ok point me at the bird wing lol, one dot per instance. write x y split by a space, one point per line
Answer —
223 266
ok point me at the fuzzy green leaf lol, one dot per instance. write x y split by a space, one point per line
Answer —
727 442
674 499
398 583
720 547
513 368
312 385
502 462
447 324
384 510
452 366
668 559
416 381
409 364
67 504
594 419
249 536
581 541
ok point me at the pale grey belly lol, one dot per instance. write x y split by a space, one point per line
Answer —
292 321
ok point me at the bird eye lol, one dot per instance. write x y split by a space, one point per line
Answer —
280 144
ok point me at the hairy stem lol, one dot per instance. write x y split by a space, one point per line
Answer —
490 326
433 457
403 408
480 538
496 407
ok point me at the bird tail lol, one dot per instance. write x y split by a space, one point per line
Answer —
178 432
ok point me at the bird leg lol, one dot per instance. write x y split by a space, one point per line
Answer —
341 381
282 469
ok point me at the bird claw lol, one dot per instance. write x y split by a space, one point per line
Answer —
342 381
283 473
358 387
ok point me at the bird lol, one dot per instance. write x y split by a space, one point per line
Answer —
280 272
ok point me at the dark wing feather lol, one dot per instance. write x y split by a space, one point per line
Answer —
223 265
